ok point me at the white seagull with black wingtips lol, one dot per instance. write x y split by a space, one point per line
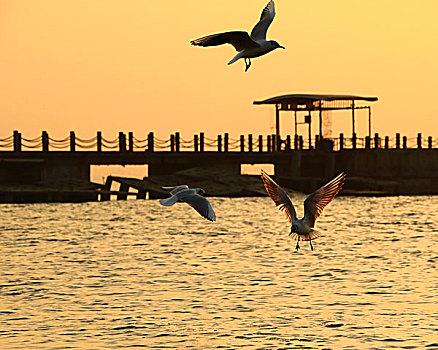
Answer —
302 229
248 46
192 197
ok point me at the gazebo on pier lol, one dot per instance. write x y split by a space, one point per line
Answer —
316 103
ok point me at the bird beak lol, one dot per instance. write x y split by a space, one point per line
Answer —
282 47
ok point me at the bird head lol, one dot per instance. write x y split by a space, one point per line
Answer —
200 191
275 45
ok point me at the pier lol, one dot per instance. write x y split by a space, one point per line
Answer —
48 169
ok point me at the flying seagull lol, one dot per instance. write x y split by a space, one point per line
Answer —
192 197
248 46
302 229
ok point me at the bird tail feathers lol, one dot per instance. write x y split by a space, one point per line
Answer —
168 202
235 58
307 237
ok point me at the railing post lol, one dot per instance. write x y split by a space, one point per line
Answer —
296 140
201 142
288 143
269 143
17 141
45 140
131 141
429 142
250 143
242 143
226 141
72 141
386 142
172 143
341 141
405 142
177 139
397 141
151 142
376 140
354 139
196 143
260 143
273 143
316 141
99 141
122 142
367 142
219 143
419 139
301 142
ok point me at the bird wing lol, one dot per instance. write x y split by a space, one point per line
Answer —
316 202
200 204
239 39
260 29
279 196
175 189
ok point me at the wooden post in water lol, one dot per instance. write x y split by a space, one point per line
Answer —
131 141
429 142
201 142
123 191
419 140
72 141
301 143
99 141
367 142
376 141
172 143
397 141
386 142
219 143
296 140
341 141
250 143
196 143
17 141
288 144
316 141
242 143
269 143
122 142
405 142
106 188
354 140
45 140
177 142
226 141
151 142
260 143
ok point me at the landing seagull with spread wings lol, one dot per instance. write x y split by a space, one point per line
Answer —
248 46
193 197
302 229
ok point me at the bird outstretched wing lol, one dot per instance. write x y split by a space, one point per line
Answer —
201 205
260 29
175 189
239 39
279 196
316 202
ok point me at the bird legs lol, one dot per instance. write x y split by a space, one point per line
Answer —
297 247
311 246
247 64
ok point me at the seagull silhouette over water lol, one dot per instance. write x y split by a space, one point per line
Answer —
302 229
248 46
192 197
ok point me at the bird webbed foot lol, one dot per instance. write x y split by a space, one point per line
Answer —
247 64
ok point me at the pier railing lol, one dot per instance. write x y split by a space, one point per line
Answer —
202 143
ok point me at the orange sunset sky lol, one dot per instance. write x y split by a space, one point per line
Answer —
127 65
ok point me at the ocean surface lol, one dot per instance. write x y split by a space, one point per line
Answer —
133 274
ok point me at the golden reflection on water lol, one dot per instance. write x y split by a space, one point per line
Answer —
135 274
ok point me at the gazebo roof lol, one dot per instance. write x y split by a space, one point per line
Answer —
313 101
